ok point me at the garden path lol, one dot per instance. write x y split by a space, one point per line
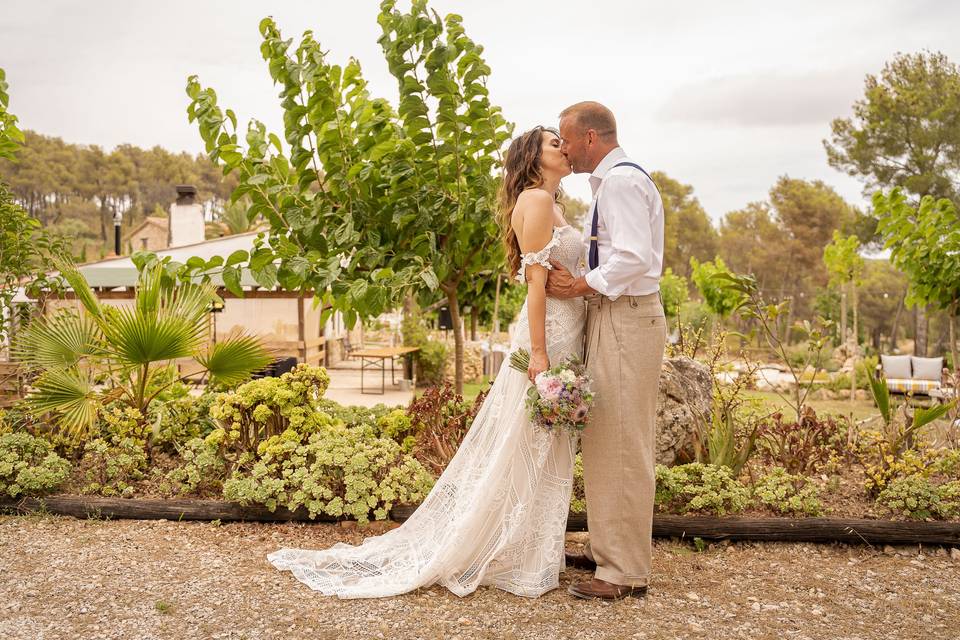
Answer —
91 579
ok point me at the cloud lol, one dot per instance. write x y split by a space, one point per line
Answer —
765 99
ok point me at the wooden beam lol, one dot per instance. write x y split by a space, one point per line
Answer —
772 529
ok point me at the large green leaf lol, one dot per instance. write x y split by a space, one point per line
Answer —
232 360
136 339
923 417
881 394
70 395
57 341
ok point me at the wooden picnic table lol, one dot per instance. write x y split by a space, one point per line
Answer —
377 358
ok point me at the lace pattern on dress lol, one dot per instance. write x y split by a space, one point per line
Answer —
541 257
497 514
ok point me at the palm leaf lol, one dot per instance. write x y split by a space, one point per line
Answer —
232 360
136 339
149 290
81 289
58 341
881 394
191 302
923 417
67 393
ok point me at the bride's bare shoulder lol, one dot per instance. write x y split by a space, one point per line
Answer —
533 206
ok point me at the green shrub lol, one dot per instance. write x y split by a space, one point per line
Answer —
786 493
431 360
179 419
202 471
398 426
353 416
110 467
913 496
950 499
805 446
29 466
269 406
701 488
336 471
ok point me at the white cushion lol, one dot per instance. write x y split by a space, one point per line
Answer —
896 366
926 368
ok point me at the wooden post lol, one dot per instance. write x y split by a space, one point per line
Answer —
301 329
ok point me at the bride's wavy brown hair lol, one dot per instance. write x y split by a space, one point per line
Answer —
521 171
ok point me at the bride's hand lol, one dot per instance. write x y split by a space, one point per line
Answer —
538 364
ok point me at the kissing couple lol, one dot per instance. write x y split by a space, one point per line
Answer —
497 514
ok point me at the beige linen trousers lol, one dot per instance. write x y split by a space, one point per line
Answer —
623 351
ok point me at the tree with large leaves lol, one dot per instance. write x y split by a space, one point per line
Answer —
370 201
133 348
26 249
924 243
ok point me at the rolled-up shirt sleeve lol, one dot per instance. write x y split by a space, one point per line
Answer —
626 210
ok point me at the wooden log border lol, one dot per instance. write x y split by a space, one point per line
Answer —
772 529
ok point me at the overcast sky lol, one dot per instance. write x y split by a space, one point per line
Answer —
725 96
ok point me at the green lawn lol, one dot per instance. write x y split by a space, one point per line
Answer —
470 391
860 409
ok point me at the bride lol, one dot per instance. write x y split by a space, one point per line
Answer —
497 514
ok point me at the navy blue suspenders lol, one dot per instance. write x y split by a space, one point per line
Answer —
594 258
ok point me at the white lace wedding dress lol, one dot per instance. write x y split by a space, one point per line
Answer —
497 514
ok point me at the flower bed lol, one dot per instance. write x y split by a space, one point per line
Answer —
278 446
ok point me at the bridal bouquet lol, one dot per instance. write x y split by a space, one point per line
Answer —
560 397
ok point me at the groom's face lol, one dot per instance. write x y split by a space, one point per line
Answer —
574 145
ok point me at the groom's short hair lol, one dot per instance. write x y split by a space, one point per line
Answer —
592 115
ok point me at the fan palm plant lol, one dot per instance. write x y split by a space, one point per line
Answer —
106 353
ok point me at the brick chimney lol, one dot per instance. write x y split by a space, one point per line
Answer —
186 218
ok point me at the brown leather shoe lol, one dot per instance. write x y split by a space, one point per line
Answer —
579 561
596 589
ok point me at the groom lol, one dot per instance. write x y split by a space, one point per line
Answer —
625 336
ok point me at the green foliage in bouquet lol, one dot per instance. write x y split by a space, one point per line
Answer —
336 471
788 493
29 466
698 487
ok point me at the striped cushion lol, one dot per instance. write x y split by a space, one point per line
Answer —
907 385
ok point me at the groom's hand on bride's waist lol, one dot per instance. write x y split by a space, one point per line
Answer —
562 284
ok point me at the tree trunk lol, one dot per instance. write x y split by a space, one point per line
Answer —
453 304
922 324
843 315
896 323
952 320
856 347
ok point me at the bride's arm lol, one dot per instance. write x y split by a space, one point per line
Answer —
536 207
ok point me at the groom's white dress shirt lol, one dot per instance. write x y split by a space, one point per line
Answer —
629 231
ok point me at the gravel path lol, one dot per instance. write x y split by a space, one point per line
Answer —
67 578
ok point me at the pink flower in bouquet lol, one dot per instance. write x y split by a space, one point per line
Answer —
549 387
581 412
